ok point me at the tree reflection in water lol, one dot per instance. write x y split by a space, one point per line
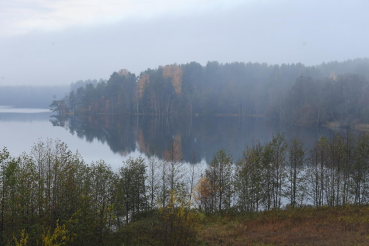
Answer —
201 135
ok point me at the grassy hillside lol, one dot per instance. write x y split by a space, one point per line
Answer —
347 225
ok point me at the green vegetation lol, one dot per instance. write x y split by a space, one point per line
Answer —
294 93
52 197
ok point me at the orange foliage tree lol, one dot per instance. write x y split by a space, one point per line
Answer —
144 79
174 72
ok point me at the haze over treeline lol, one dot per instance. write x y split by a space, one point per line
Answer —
295 93
57 42
31 96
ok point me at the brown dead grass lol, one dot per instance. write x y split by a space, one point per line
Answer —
323 226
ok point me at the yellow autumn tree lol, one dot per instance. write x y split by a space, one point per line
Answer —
60 236
144 79
178 222
22 241
203 193
174 72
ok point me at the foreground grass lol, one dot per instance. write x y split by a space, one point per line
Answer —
305 226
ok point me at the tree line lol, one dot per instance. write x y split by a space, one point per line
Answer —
343 99
52 196
278 174
231 89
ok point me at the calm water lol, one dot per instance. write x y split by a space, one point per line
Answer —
115 139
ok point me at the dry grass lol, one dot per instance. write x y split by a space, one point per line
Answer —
323 226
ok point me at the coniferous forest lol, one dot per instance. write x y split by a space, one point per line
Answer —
294 93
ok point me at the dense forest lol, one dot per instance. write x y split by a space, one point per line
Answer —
294 93
31 96
51 196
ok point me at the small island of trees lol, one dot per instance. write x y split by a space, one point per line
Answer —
335 92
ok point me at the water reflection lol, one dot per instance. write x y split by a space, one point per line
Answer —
11 110
25 117
9 113
201 135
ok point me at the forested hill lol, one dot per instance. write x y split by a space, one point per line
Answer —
309 95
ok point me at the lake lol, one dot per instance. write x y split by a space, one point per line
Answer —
114 139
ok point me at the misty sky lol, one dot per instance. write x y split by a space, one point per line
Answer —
55 42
